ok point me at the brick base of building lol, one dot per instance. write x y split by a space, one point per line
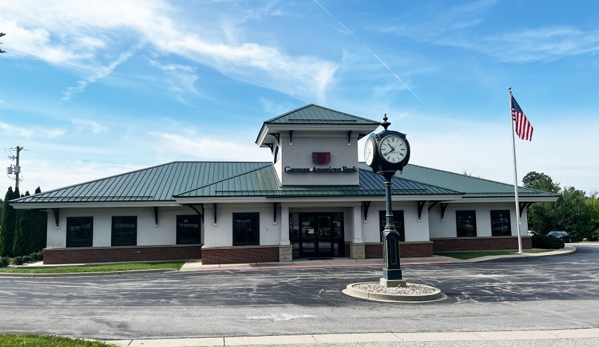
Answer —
88 255
459 244
374 250
240 254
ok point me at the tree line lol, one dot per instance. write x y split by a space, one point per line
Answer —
22 232
574 211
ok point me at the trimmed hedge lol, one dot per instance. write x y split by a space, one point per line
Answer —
547 242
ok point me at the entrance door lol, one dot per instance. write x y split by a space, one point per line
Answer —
316 235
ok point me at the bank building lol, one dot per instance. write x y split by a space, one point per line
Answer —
313 200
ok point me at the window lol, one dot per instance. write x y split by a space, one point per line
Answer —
500 223
124 231
188 229
466 223
397 220
80 231
246 229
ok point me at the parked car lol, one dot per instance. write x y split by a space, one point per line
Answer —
562 235
532 232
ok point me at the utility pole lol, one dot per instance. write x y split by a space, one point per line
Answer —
17 168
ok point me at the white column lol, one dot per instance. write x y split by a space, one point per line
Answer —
357 225
284 225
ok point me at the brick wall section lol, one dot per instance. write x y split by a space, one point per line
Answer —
480 243
233 255
406 250
121 254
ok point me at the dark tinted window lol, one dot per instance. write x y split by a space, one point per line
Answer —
188 229
80 231
465 223
500 223
246 229
124 231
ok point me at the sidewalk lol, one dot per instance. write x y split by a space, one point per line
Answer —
365 338
332 262
194 265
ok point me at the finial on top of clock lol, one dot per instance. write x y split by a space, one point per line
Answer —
385 124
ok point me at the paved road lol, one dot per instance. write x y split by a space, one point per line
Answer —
520 294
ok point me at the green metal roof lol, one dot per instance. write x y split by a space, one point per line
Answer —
473 187
314 114
235 179
264 182
158 183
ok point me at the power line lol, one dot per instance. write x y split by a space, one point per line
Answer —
377 57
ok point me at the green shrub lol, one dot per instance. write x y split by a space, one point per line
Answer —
552 242
17 261
4 262
38 256
547 242
27 259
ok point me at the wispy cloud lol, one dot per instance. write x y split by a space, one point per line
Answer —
85 124
15 131
184 76
100 73
529 45
73 34
205 148
458 27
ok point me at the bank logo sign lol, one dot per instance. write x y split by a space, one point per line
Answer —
321 158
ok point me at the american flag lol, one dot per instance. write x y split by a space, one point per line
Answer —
523 127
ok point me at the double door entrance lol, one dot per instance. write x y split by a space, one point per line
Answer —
316 235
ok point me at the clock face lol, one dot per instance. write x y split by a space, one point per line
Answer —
393 149
369 151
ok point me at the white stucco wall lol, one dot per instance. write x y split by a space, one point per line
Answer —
299 155
415 230
447 227
147 232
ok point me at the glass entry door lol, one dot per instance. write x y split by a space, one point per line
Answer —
316 235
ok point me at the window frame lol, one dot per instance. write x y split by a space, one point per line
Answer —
236 216
396 214
509 223
69 240
115 229
457 221
179 237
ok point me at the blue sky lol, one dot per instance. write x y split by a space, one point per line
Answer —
95 88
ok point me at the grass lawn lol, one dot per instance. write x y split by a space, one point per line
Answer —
470 255
28 340
94 268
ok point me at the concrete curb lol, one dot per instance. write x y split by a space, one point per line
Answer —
437 295
83 274
565 251
258 266
339 339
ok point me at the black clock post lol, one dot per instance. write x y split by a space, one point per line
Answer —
386 153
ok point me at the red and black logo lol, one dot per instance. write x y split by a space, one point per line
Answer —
321 157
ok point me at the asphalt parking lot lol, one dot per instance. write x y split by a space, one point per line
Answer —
520 294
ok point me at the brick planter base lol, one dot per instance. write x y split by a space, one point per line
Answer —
459 244
121 254
241 254
406 250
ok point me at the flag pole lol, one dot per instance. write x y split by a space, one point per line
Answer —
515 176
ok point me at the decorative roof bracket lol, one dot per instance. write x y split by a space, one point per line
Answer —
365 207
56 212
420 207
524 206
201 214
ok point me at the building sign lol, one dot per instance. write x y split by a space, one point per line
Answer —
321 158
343 169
